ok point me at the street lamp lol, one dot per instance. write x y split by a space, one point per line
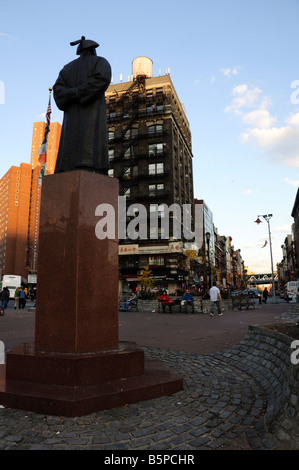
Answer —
267 218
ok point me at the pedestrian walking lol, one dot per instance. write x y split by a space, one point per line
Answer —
4 298
265 294
22 299
17 298
215 298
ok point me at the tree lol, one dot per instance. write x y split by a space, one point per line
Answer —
146 279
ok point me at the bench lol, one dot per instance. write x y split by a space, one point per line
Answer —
242 301
133 304
175 306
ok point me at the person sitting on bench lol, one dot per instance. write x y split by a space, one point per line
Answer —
125 306
188 300
165 300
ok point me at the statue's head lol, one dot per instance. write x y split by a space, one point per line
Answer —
85 45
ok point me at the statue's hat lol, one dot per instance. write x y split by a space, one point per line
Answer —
84 44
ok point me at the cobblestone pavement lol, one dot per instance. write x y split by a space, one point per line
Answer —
222 406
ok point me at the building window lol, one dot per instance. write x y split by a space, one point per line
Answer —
127 173
160 108
155 189
156 261
155 149
110 135
158 209
111 154
128 153
156 168
149 110
130 133
111 172
156 129
134 170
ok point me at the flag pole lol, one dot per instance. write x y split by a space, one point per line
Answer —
42 159
43 148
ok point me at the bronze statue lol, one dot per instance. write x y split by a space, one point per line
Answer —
79 91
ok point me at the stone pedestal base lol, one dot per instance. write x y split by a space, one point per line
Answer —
76 365
81 384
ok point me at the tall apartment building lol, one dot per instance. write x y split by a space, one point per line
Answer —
20 205
53 144
150 152
15 188
35 200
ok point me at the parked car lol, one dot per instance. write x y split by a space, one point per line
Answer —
254 293
235 292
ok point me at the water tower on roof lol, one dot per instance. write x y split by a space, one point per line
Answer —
142 67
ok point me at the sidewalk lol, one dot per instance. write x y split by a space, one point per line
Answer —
192 333
221 406
197 333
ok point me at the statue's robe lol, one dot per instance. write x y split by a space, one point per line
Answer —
80 92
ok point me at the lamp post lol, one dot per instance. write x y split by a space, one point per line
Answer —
267 218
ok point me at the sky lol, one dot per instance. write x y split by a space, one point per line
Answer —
235 67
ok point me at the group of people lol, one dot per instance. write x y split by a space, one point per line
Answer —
20 299
215 298
167 302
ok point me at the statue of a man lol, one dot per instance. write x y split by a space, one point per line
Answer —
79 91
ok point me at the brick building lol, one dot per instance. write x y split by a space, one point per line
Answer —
20 204
150 152
15 189
295 215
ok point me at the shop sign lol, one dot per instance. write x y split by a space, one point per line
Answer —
128 249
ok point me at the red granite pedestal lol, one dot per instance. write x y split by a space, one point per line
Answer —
76 365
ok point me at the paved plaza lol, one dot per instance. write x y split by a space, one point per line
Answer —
222 405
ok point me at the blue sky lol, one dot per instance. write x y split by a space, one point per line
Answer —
232 63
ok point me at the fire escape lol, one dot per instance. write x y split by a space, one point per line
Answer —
130 109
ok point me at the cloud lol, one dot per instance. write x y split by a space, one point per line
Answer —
230 71
284 229
250 245
281 144
244 97
5 35
260 118
248 192
292 183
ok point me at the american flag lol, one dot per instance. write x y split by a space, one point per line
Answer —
44 146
